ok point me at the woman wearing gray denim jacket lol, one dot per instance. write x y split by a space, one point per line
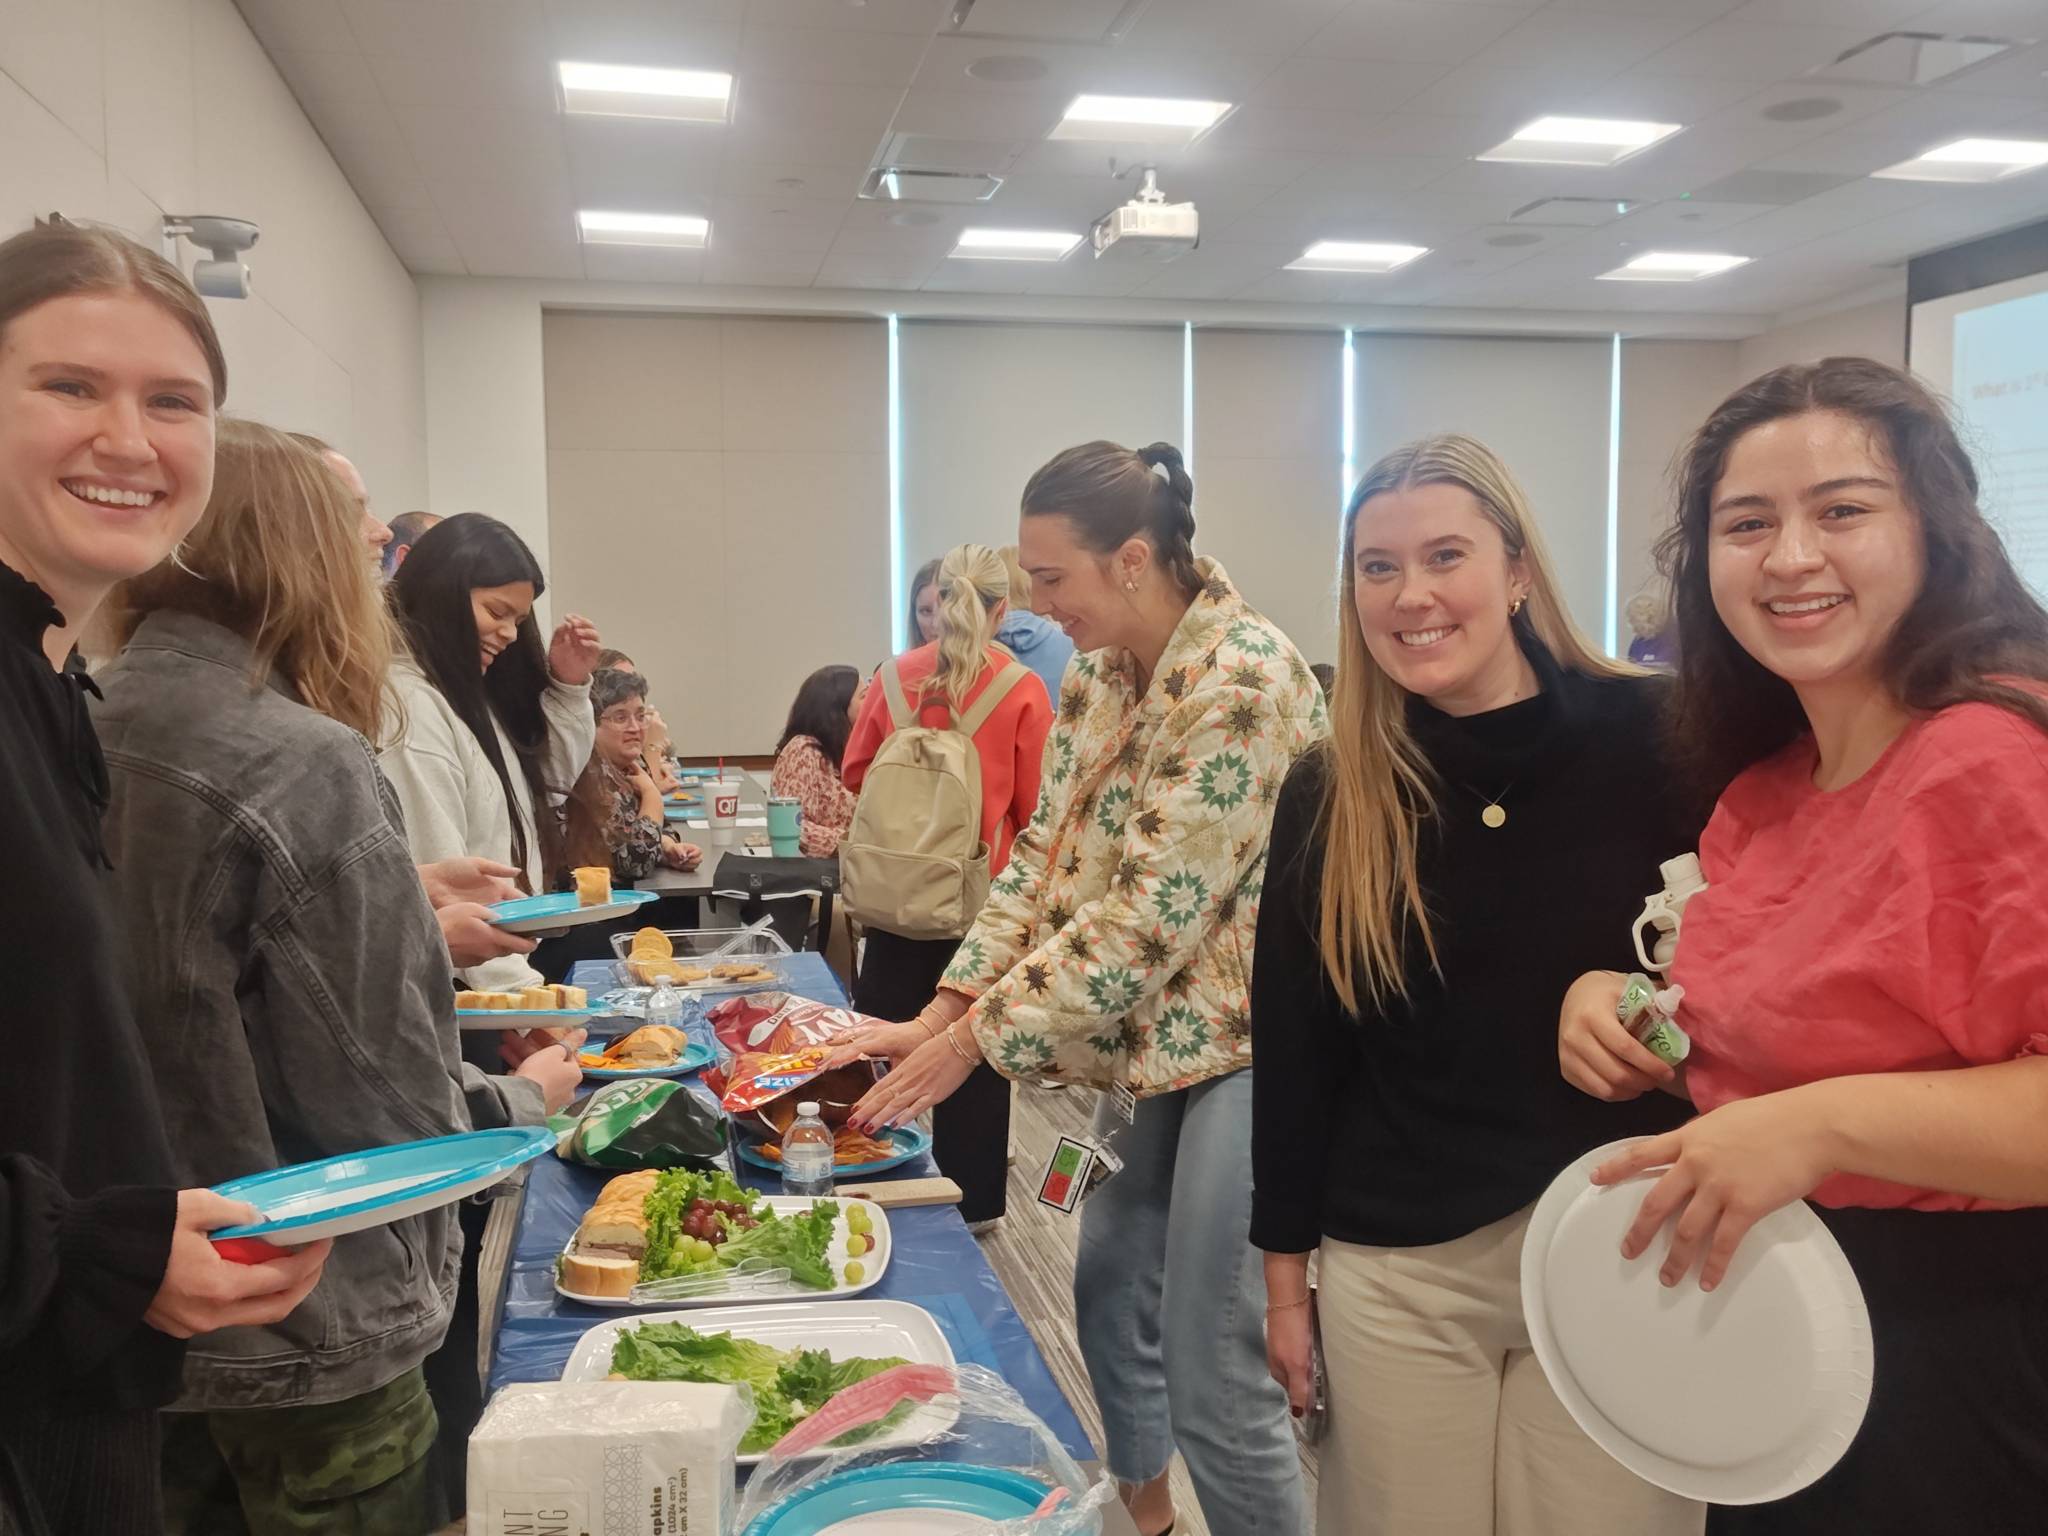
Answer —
292 976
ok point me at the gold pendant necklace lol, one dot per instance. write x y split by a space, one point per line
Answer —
1495 815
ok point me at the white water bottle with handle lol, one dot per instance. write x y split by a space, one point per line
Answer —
1663 912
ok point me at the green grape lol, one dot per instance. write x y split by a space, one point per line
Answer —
855 1273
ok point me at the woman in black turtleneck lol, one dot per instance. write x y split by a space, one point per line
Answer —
110 374
1482 827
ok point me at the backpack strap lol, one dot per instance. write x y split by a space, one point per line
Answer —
900 716
994 694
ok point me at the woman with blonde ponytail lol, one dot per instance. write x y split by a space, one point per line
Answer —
1481 827
942 681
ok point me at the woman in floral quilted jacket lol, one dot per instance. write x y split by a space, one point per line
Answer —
1114 952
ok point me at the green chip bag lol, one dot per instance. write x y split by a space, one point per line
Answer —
641 1122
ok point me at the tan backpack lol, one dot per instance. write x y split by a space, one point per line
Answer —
913 862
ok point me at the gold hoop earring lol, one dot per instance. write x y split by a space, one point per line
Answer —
1516 606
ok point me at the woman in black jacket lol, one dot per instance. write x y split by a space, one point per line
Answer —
1486 817
110 375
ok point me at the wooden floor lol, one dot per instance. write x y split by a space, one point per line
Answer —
1032 1252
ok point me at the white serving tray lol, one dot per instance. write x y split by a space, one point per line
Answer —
875 1263
845 1330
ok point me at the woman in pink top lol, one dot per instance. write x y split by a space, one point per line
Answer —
1862 679
899 974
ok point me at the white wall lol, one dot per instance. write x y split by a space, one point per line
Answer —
718 503
1876 329
121 111
486 410
1667 390
985 405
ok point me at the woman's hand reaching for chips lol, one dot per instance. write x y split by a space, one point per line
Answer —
930 1074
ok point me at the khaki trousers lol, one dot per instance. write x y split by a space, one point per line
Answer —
1441 1420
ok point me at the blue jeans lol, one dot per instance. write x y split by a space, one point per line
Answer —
1170 1306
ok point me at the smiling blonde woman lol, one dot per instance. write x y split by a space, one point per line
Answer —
1486 818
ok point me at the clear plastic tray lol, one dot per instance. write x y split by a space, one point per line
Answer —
760 944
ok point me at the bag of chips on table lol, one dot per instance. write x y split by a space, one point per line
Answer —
642 1122
780 1043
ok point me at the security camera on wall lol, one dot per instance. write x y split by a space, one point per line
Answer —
224 277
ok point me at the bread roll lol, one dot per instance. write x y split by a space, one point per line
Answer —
599 1274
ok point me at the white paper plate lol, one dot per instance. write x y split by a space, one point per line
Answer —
1739 1395
875 1263
845 1330
523 1018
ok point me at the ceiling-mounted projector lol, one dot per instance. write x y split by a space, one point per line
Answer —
1148 227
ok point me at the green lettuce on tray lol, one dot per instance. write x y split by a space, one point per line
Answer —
799 1241
788 1385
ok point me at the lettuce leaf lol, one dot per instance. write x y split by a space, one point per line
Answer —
788 1385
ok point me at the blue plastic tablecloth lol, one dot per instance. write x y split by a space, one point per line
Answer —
936 1264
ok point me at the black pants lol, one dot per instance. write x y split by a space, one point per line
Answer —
1956 1437
88 1475
453 1370
971 1130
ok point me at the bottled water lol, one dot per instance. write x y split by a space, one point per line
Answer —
807 1154
665 1006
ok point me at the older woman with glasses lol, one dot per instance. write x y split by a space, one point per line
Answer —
627 800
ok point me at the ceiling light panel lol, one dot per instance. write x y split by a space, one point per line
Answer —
1139 119
1014 244
684 232
631 90
1673 267
1355 256
1971 160
1579 141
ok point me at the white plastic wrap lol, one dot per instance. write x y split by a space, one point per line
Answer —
995 1429
607 1458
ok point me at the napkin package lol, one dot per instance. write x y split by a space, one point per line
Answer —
607 1458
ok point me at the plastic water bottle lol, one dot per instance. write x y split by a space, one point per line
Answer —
807 1154
1663 912
664 1005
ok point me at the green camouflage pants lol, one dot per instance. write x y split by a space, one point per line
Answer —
355 1468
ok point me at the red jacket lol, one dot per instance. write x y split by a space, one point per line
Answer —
1009 743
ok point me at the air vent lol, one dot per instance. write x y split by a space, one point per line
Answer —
896 184
1913 58
1580 212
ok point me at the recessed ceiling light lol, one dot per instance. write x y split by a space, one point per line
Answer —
1971 160
1014 244
1579 141
1673 267
632 90
1139 119
680 231
1355 256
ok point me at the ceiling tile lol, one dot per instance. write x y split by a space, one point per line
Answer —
485 81
452 144
822 57
342 77
1583 45
316 25
702 35
1876 15
1741 50
918 16
642 264
979 113
1901 131
1310 82
1087 20
642 164
1119 71
752 266
419 238
742 177
1413 31
1227 26
449 28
